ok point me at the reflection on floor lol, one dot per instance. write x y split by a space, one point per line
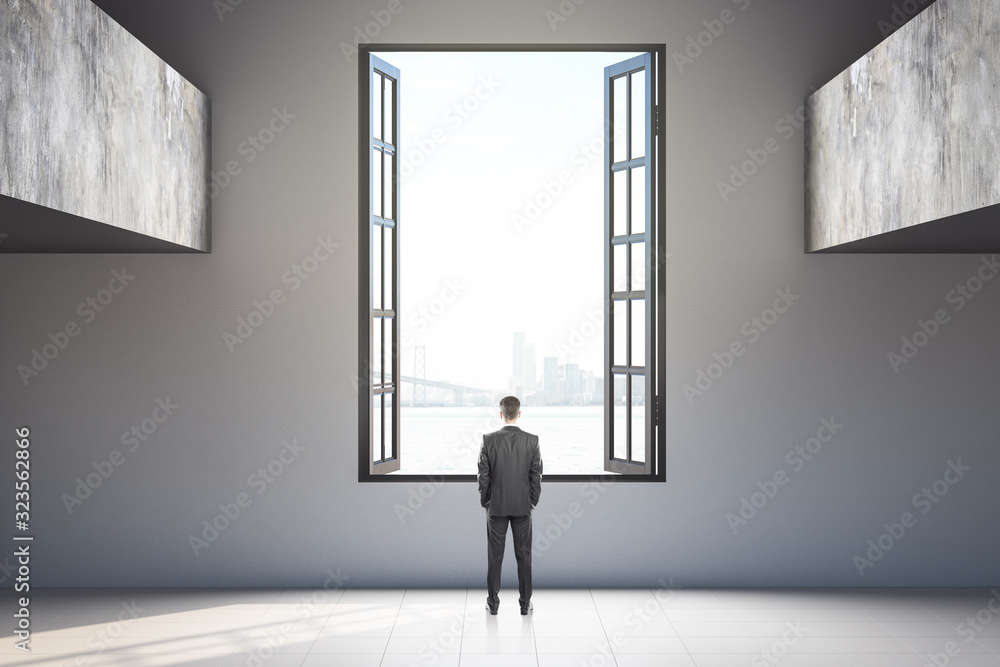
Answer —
451 628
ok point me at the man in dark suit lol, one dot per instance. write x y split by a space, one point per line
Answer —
510 482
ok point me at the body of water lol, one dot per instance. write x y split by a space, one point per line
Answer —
443 440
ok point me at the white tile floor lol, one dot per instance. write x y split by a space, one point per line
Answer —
450 628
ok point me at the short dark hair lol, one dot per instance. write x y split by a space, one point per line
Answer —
510 406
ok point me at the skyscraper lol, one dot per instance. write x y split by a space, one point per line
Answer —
518 355
551 379
530 374
573 380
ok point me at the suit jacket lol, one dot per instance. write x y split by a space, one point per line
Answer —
510 472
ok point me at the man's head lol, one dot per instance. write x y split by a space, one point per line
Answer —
510 409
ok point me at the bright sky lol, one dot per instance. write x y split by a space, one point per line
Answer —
482 136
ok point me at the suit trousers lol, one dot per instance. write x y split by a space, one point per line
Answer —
496 536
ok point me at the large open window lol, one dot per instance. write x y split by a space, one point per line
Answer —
577 290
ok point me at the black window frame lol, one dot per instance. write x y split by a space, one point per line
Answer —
365 317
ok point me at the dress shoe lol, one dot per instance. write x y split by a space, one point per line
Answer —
525 610
491 610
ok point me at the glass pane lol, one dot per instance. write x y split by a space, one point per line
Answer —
377 105
618 434
387 428
377 267
638 333
619 321
390 107
638 201
389 210
618 118
638 266
619 268
377 350
376 182
389 349
638 114
638 418
620 197
377 427
390 269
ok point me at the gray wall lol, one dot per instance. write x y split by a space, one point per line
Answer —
825 357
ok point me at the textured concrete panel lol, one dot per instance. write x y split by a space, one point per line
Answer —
94 124
908 134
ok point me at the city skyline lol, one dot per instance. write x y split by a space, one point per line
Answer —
559 384
484 261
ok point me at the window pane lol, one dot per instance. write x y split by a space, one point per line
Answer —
619 333
389 210
377 266
376 182
619 268
638 418
638 201
390 269
638 266
377 105
387 428
390 107
389 350
618 435
618 117
377 350
638 114
620 198
638 333
377 427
